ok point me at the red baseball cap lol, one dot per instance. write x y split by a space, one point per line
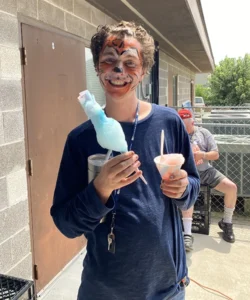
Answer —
185 114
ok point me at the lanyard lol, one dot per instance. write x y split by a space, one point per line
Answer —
111 235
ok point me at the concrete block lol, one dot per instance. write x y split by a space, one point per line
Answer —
3 193
1 129
12 158
82 9
23 269
17 187
162 55
163 65
163 74
5 256
8 30
97 17
20 245
13 125
13 219
10 65
65 4
181 78
90 31
9 6
162 91
163 100
10 94
75 25
50 14
27 7
163 82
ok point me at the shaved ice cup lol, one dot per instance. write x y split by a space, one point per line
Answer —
168 164
95 163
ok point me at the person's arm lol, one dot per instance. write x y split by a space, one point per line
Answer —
212 152
211 155
77 208
189 197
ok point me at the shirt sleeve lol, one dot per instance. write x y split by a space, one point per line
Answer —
77 208
183 146
210 141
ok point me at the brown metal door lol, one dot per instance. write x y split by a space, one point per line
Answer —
54 74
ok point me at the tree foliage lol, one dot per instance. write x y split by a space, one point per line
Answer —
229 84
203 91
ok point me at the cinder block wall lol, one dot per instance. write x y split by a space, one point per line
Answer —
15 257
169 65
76 17
163 78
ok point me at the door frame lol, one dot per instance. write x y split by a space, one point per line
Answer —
155 75
35 23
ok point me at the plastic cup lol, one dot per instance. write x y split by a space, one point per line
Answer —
168 164
95 163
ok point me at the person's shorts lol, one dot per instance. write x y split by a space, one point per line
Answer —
211 177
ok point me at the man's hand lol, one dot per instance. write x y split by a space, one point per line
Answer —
198 155
115 174
199 162
195 149
175 185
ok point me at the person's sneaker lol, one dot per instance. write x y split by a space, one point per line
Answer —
188 242
228 234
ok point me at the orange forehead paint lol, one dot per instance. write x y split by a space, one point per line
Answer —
122 45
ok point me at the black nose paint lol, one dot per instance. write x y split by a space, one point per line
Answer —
118 70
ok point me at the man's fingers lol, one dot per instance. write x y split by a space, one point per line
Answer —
130 170
119 158
174 190
131 179
179 174
175 186
175 183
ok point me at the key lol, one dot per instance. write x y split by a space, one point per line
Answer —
111 243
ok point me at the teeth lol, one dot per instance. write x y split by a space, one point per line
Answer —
117 82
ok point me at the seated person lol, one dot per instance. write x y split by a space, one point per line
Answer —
205 149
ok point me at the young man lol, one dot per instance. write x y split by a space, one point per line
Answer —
144 256
208 150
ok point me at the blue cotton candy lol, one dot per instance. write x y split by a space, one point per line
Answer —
109 132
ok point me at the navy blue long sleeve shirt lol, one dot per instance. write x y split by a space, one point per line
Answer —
150 258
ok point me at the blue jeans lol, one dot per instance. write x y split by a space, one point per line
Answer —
180 295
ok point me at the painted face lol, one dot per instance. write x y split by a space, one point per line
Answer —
120 65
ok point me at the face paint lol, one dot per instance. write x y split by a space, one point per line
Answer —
120 65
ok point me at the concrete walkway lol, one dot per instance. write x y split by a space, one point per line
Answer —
220 265
213 263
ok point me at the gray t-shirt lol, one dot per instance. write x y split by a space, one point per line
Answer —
205 140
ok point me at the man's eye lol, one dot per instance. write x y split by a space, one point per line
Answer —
108 61
130 64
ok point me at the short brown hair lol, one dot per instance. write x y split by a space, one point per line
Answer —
121 30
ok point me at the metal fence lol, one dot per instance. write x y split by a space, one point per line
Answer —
231 129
